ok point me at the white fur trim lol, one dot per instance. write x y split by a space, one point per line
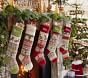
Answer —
77 62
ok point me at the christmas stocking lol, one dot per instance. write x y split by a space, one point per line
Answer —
56 31
13 46
27 46
65 40
42 40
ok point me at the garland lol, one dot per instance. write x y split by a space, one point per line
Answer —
3 38
22 15
4 33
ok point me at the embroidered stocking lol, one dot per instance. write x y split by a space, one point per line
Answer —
27 46
13 46
56 31
65 40
42 40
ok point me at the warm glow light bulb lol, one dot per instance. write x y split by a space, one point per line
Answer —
19 74
25 69
22 66
22 69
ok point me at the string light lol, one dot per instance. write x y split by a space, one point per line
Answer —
22 68
21 72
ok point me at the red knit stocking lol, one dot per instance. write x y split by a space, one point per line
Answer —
65 40
42 40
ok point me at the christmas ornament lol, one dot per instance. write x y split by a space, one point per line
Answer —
27 46
13 46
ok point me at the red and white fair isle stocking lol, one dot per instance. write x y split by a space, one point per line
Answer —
56 31
27 46
13 46
42 40
65 40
